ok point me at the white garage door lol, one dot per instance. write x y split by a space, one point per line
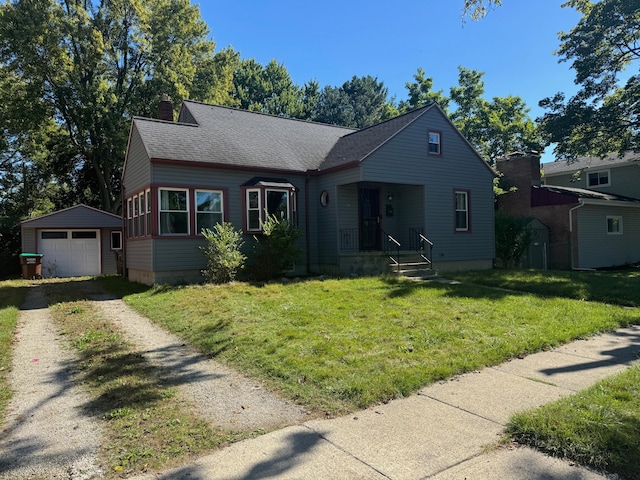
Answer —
70 253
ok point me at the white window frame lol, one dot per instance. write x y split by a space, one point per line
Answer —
438 143
169 211
198 212
249 209
147 195
279 190
136 210
465 210
607 184
130 217
613 220
141 215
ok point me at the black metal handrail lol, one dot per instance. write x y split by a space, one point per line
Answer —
421 244
389 245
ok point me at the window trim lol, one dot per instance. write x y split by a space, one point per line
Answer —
195 200
248 209
118 233
467 195
598 172
620 230
292 204
161 211
439 143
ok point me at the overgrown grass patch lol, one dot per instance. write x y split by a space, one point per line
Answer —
599 426
619 287
340 345
146 425
12 294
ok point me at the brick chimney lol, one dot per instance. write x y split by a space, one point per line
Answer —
520 170
165 108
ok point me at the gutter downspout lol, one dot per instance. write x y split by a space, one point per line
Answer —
571 246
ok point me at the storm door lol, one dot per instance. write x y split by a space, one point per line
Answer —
369 209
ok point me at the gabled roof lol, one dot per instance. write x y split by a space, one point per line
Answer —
584 194
584 163
358 145
78 216
242 138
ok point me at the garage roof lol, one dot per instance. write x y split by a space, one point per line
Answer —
79 216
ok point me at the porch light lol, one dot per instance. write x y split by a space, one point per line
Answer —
389 197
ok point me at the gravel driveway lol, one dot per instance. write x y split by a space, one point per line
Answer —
47 433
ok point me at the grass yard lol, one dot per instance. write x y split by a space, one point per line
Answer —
620 287
12 293
340 345
599 426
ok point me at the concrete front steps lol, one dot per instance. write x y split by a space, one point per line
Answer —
414 266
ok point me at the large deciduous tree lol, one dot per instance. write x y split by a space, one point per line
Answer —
495 127
602 117
87 66
421 93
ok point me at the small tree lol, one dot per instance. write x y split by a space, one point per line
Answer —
224 257
512 239
277 250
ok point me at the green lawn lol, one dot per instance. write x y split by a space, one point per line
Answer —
340 345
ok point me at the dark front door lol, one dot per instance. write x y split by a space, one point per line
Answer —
369 207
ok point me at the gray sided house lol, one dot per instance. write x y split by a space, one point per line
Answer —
75 241
354 194
587 228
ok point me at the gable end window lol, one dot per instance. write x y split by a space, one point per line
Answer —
174 211
435 146
462 211
598 179
614 225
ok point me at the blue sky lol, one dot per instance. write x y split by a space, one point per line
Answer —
332 41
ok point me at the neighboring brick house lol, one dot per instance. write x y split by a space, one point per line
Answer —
587 228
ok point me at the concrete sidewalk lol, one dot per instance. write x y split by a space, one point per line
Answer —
447 431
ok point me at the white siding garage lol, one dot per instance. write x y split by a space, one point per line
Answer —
70 253
77 241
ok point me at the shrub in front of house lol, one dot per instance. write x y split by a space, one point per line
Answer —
224 253
277 250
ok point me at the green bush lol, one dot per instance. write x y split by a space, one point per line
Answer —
512 239
277 249
223 251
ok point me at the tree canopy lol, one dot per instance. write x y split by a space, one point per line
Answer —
84 68
603 116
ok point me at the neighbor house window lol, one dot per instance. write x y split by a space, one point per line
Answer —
208 209
116 240
598 179
174 212
435 147
614 225
462 211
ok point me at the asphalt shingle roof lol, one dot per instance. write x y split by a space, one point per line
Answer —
588 194
228 136
561 166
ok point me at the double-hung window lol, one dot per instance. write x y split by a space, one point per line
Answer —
254 209
142 215
174 211
462 211
135 216
147 196
130 217
435 146
209 209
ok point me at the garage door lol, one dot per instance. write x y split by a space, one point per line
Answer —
69 253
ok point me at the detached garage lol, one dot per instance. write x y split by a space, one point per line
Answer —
76 241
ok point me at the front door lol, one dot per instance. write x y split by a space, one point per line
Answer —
369 208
